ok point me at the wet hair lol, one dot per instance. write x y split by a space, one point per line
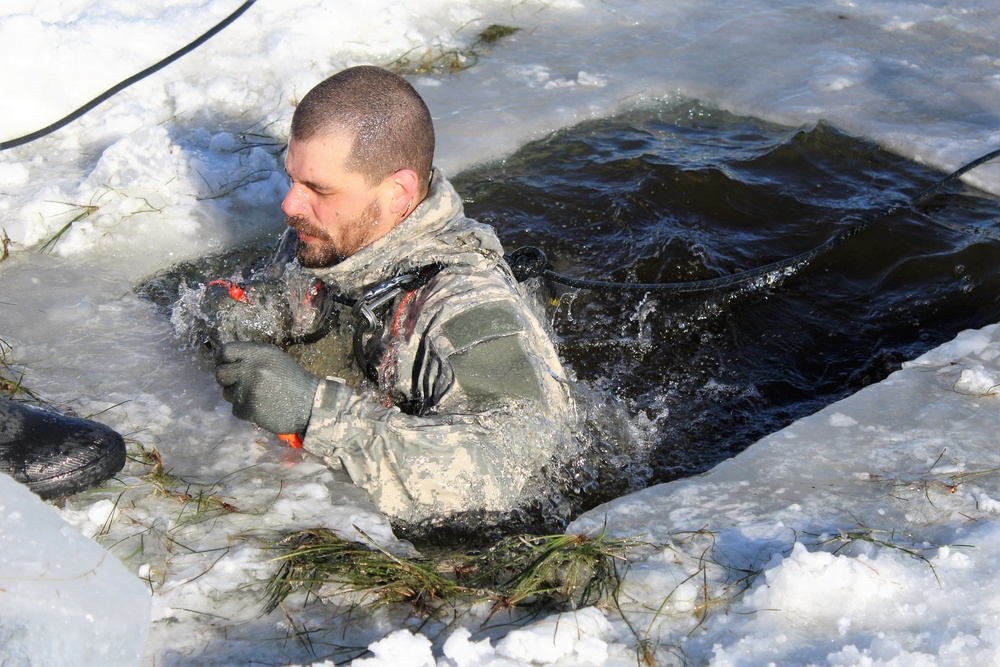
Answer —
387 119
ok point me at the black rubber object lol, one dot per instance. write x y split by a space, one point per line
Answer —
55 455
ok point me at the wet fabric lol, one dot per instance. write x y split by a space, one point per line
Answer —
471 399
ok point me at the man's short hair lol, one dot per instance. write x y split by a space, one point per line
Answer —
388 120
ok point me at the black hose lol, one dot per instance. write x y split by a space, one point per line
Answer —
529 262
128 82
952 177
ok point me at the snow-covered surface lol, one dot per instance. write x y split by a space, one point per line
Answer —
869 531
61 590
867 534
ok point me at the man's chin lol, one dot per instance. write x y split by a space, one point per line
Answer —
317 256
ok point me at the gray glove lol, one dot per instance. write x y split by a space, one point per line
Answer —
266 386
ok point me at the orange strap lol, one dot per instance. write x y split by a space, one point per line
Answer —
399 312
236 293
292 439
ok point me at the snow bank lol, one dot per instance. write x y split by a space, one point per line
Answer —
65 600
872 524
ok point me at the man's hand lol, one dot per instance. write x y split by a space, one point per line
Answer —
266 386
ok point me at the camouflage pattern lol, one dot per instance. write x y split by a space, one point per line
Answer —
470 400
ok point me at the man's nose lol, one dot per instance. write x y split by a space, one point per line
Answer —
295 203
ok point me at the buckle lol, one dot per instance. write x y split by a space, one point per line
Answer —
377 297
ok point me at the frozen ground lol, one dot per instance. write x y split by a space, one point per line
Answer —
866 534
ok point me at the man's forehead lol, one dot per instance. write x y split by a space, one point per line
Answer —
328 150
341 140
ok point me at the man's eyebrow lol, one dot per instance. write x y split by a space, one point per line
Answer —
318 187
312 185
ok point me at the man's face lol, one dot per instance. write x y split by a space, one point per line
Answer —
334 210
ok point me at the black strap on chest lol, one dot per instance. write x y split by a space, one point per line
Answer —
368 310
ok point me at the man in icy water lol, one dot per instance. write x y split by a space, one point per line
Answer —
467 400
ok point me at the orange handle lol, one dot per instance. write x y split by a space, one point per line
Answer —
236 293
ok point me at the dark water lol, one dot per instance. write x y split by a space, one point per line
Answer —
687 193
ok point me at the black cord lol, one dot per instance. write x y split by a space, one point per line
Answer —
127 82
530 262
953 176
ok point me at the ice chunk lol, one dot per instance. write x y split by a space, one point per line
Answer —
579 635
65 600
399 649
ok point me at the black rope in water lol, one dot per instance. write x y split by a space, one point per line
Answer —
529 262
128 82
952 177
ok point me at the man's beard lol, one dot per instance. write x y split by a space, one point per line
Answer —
326 252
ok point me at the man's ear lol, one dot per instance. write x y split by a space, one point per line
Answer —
404 192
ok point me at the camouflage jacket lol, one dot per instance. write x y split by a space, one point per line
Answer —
471 399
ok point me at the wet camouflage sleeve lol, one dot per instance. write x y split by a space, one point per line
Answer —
494 406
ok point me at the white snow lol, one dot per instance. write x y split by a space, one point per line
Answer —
60 590
866 534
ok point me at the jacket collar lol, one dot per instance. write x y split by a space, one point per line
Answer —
437 231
